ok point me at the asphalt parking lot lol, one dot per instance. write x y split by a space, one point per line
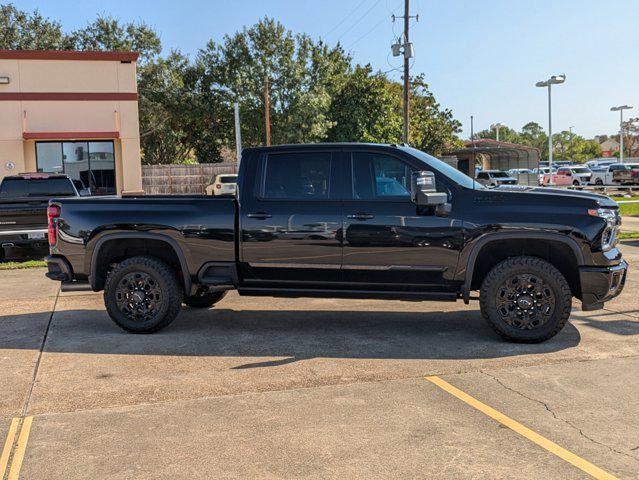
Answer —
312 388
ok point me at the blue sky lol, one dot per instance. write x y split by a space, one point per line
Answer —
480 57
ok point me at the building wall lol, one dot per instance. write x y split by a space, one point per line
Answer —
70 96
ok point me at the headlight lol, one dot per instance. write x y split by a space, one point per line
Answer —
609 235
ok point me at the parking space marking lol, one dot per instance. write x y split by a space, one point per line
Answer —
8 445
21 447
526 432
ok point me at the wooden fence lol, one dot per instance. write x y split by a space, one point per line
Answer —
182 179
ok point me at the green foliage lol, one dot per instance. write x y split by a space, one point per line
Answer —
566 146
186 107
30 31
108 33
364 109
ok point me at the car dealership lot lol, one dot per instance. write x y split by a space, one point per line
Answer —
311 388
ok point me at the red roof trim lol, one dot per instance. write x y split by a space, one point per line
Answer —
491 141
67 55
67 96
68 135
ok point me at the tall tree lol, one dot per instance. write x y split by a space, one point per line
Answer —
432 129
21 30
506 134
296 69
364 109
108 33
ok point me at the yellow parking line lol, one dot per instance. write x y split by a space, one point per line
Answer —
543 442
8 444
21 446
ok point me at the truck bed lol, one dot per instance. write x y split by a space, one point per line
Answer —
200 228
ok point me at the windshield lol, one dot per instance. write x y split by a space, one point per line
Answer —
580 170
47 187
228 179
498 174
445 169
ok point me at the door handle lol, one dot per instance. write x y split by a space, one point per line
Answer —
361 216
259 215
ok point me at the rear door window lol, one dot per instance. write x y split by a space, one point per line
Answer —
297 176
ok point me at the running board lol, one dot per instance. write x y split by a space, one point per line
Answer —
361 294
76 287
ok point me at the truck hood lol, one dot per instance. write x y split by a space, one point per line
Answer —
601 200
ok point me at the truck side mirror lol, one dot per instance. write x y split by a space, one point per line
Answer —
423 190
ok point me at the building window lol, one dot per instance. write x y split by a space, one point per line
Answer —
91 165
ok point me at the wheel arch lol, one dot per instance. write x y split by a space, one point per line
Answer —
97 275
560 250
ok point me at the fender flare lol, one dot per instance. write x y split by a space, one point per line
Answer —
140 235
484 240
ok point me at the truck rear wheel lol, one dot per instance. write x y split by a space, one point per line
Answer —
525 299
142 295
204 299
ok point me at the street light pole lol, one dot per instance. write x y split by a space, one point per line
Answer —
620 109
572 153
554 80
496 127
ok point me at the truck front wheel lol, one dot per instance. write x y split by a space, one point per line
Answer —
203 299
142 295
525 299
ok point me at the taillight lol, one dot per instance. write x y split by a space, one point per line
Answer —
218 186
53 212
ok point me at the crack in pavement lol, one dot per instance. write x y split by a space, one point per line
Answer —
557 417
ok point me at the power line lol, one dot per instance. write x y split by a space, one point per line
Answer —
367 33
339 24
359 19
370 30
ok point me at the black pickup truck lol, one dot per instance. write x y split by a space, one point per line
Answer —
348 221
23 207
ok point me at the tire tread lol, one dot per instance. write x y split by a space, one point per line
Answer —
166 273
496 275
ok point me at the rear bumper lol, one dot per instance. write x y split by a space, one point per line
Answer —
601 284
20 238
58 269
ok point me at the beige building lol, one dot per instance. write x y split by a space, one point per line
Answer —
73 113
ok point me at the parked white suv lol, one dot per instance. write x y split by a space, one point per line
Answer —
224 184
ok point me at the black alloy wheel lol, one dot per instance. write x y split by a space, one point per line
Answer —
142 294
524 301
138 296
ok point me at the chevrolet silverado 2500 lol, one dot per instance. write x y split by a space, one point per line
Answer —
345 221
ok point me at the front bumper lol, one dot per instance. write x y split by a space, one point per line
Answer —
601 284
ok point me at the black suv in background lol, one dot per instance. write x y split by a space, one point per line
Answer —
23 207
346 221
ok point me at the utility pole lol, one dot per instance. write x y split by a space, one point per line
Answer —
406 68
267 113
408 54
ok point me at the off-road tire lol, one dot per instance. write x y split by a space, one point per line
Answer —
205 300
549 275
168 286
